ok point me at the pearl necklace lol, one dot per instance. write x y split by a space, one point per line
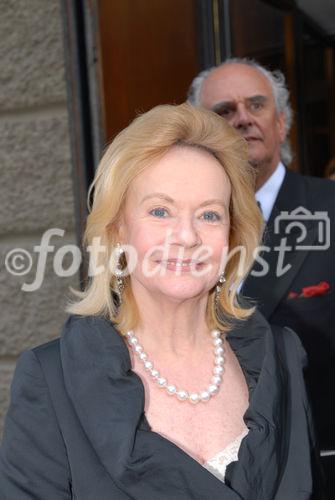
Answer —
171 389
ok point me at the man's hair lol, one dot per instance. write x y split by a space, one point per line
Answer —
280 93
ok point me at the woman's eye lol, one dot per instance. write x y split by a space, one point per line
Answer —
159 212
211 216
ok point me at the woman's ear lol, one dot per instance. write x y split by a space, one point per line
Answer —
117 230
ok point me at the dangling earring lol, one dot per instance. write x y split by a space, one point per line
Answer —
218 288
118 273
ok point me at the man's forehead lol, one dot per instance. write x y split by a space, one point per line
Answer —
233 82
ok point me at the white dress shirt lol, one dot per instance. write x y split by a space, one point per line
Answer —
267 194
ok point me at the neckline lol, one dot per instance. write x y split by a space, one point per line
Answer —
238 440
198 458
106 394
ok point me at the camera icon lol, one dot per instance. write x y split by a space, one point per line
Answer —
301 221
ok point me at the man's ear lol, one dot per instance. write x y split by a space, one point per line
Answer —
281 123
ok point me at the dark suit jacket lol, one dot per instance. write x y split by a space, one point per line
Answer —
76 426
313 318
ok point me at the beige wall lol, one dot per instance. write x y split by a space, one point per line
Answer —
36 189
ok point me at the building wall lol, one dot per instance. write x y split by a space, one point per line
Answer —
36 188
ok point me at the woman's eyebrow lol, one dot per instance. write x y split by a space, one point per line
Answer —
161 196
214 201
165 197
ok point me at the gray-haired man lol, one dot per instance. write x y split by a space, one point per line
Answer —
293 281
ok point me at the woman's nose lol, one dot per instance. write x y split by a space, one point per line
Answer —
186 233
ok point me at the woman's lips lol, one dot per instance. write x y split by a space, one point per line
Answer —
181 266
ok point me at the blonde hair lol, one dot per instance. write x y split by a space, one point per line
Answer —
142 143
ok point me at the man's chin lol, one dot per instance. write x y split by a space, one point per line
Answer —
259 161
263 169
255 163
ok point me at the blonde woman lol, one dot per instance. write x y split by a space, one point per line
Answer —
163 384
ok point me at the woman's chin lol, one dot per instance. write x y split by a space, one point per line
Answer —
171 287
178 292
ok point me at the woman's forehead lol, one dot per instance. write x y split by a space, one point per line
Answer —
181 172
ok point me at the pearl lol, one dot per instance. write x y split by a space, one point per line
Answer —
215 334
212 389
217 379
219 360
194 398
204 395
182 395
171 389
161 381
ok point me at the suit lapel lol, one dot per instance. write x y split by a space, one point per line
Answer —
282 258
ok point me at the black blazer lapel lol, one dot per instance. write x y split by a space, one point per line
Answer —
268 282
109 401
108 398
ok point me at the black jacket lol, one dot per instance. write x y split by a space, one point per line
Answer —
76 426
312 318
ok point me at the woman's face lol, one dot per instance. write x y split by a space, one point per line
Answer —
176 218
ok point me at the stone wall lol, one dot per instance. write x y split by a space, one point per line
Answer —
36 188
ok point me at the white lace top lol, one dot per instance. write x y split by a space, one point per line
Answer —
217 465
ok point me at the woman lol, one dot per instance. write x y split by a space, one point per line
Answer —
163 385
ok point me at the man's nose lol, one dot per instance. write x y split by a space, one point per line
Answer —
242 118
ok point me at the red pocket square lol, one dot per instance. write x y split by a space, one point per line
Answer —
311 291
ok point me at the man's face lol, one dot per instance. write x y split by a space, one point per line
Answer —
243 96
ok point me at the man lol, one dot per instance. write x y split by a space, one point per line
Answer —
293 279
